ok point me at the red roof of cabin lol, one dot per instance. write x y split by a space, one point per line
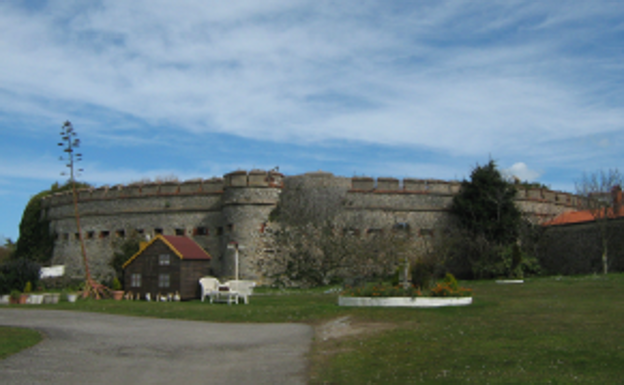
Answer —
186 247
183 247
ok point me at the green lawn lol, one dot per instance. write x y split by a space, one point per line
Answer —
14 340
548 330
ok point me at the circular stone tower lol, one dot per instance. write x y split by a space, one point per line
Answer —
248 200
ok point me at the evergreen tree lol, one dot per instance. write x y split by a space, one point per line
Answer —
485 206
488 220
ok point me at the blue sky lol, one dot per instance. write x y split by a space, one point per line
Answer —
422 89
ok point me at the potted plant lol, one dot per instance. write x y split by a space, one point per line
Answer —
26 294
117 292
15 297
71 297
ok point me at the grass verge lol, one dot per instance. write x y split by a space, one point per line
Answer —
14 340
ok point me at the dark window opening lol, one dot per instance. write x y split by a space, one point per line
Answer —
179 232
120 233
90 234
140 231
219 230
401 226
425 232
104 234
230 228
158 231
374 231
65 236
201 231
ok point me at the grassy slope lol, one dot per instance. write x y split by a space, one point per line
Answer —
548 329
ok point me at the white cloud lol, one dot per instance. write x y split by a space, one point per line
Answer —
297 71
521 171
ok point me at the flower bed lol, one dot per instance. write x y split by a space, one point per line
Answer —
445 293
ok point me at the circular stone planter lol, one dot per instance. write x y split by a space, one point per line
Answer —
506 281
404 301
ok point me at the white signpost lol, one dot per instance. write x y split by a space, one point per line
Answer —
235 246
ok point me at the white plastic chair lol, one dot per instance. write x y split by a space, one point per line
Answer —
210 287
243 288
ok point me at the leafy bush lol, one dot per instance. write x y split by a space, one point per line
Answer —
17 273
4 287
124 251
443 289
422 274
35 241
116 284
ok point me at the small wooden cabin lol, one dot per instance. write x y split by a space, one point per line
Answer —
166 265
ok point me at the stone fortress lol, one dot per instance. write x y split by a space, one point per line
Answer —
236 208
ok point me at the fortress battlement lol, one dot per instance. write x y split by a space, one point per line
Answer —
238 206
441 187
254 178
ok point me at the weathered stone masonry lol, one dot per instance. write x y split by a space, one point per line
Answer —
217 211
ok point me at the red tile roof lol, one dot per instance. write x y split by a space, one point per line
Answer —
573 217
185 247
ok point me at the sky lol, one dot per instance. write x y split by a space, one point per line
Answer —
200 88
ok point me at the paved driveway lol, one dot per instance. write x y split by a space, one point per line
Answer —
89 348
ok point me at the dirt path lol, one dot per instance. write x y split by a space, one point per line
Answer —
82 348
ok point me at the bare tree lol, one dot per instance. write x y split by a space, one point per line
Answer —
315 243
601 195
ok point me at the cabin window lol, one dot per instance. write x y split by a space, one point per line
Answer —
164 260
104 234
140 231
179 232
230 228
163 280
158 231
77 236
120 233
90 234
135 280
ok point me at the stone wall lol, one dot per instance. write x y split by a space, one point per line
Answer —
236 208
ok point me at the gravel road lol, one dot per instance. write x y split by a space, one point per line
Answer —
90 348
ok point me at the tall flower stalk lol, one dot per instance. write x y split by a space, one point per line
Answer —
70 142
